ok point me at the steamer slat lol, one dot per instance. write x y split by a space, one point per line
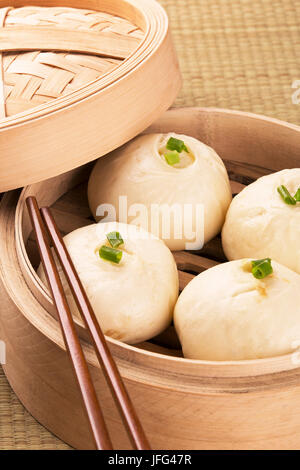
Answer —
106 44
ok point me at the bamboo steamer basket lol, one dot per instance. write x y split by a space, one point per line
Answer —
58 109
183 404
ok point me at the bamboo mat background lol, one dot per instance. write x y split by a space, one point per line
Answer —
239 54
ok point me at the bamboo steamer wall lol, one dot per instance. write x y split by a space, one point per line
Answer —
61 110
183 404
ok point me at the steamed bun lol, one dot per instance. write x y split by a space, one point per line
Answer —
226 314
134 300
140 171
260 224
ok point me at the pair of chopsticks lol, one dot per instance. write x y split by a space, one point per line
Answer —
45 228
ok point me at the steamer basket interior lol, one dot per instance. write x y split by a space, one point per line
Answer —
251 146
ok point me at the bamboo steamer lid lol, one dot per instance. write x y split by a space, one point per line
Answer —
76 81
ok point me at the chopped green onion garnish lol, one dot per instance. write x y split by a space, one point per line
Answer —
110 254
286 196
115 239
172 157
261 268
176 144
297 196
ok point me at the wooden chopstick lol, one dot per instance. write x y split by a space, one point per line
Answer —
71 340
105 358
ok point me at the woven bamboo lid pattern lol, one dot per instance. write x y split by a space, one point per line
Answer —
36 77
